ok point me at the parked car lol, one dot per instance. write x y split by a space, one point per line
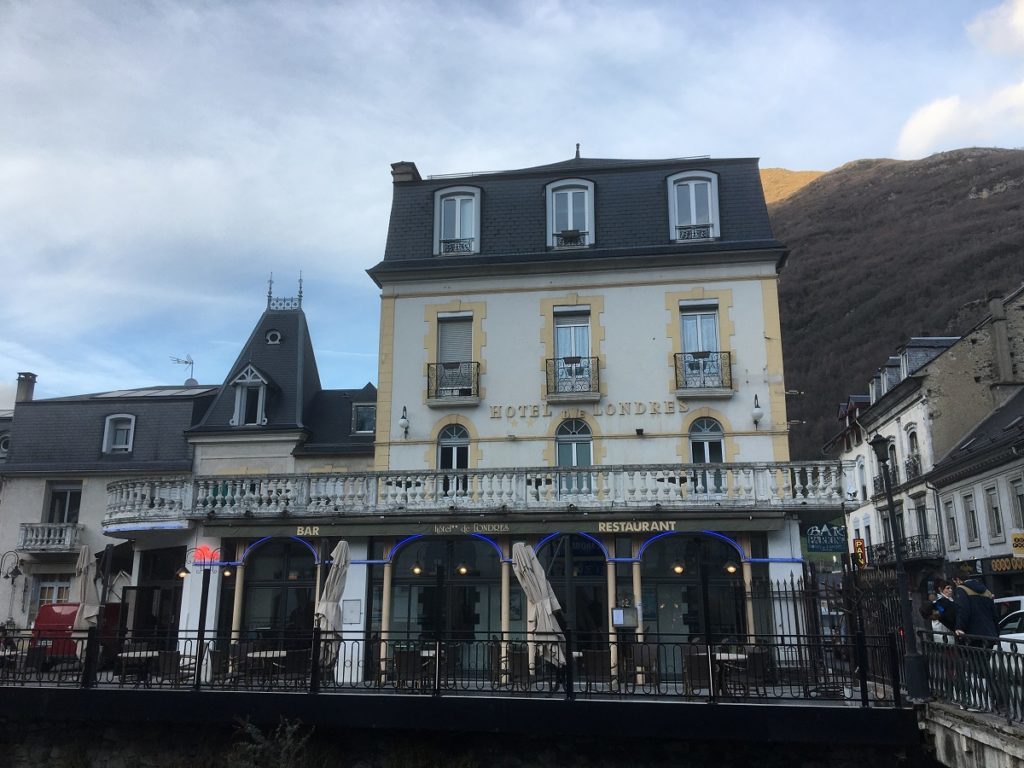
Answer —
1007 605
1011 632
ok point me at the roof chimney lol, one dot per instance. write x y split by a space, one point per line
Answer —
404 171
26 387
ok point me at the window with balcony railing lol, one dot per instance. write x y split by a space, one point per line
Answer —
452 380
703 370
912 466
573 376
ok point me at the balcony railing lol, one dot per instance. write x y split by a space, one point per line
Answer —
452 380
570 238
573 375
694 232
798 485
457 245
703 370
48 537
913 467
922 547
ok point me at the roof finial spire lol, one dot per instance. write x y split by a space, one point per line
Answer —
270 289
577 150
300 289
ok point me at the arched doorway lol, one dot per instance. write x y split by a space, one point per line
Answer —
577 568
693 589
280 587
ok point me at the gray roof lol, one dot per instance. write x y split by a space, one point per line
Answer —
290 367
996 440
65 434
295 399
630 210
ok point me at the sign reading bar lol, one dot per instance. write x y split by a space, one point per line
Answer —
860 554
826 538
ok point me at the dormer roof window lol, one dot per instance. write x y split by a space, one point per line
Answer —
119 433
456 221
693 206
570 214
250 398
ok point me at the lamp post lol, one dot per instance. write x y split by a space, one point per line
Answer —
915 672
206 558
10 568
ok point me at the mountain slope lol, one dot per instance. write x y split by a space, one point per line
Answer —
881 250
779 183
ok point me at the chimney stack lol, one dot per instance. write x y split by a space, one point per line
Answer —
404 171
26 387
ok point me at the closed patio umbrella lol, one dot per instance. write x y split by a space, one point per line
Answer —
542 602
88 603
328 607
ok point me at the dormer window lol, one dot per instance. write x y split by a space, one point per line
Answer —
119 433
456 221
250 399
364 418
5 445
570 215
693 206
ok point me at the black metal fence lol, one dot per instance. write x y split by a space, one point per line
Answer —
758 668
978 674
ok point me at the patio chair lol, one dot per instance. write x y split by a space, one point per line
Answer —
169 668
597 667
695 668
645 664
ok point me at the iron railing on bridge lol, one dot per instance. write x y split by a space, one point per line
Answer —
976 673
754 668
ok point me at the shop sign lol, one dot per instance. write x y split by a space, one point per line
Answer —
1017 539
1004 564
860 553
826 538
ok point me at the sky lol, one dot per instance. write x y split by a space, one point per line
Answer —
159 160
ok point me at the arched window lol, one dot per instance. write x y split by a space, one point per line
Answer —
707 447
573 444
457 221
693 206
453 453
570 214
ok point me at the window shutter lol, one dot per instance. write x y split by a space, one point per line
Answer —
455 340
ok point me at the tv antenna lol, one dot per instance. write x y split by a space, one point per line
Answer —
186 360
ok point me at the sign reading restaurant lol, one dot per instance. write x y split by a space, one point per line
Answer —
442 529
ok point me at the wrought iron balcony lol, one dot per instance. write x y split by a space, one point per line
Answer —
48 537
570 238
922 547
673 487
913 467
568 376
453 380
457 245
694 232
703 370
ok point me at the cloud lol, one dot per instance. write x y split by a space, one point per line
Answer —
1000 29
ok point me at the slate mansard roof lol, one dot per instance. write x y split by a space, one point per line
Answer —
997 440
631 212
65 434
295 399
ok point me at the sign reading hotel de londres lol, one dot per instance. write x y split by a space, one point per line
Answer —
621 408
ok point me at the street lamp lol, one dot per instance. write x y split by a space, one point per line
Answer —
10 564
205 558
913 662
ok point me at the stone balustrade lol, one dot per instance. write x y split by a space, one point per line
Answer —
672 487
48 537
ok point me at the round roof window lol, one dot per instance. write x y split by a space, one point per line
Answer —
273 336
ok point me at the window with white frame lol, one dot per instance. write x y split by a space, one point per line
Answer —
49 588
994 516
574 448
453 453
250 399
119 433
572 363
457 221
1017 503
693 206
867 535
921 513
971 520
952 529
707 446
704 365
364 418
570 214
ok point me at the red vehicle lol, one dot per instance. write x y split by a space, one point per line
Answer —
54 640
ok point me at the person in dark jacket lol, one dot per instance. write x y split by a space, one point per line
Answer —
942 610
976 613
